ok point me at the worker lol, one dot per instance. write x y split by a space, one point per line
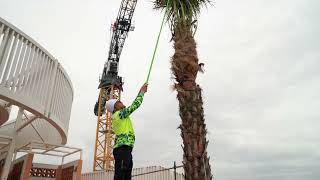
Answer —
125 138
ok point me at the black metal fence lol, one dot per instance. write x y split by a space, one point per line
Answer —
161 173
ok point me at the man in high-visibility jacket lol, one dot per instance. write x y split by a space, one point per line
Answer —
125 138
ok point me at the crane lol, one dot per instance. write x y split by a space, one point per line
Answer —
110 85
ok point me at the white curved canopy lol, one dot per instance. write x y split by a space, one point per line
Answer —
39 130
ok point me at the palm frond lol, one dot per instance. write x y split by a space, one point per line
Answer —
181 12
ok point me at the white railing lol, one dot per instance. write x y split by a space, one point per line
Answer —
32 78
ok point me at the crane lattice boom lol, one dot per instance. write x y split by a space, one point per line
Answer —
111 86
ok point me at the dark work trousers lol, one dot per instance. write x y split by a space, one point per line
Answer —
123 163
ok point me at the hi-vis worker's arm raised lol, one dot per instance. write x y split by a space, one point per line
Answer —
125 112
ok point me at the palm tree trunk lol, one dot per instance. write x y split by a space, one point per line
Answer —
193 129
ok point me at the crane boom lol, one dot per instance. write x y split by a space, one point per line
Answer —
120 28
110 86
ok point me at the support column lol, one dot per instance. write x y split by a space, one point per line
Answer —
59 173
27 167
11 150
78 170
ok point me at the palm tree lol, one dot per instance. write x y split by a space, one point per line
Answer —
182 19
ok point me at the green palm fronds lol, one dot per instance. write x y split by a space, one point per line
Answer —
181 12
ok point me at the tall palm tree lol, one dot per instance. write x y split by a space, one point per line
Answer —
182 19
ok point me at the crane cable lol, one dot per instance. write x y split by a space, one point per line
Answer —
157 43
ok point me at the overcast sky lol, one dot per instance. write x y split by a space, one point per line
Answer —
261 84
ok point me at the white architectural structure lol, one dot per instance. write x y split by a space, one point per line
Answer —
34 81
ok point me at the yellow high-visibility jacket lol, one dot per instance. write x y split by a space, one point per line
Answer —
122 125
